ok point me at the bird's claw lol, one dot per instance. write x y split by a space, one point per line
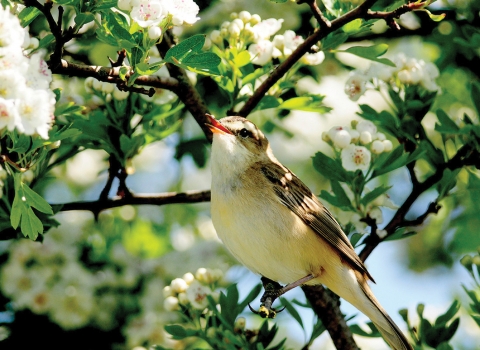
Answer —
266 312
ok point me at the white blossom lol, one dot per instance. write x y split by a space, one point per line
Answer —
366 125
35 110
188 278
197 295
147 12
182 11
355 157
124 5
9 116
261 52
119 94
313 59
266 28
356 86
11 32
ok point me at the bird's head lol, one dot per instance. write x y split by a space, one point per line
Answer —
238 138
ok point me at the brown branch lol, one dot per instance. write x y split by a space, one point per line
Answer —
112 75
138 199
326 305
464 157
185 91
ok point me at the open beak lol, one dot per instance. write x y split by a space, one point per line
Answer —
215 127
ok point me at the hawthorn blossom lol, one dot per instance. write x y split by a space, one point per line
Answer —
197 295
182 11
355 158
356 86
147 12
261 52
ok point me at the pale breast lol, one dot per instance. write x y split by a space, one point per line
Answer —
266 236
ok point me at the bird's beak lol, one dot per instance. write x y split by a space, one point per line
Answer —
215 127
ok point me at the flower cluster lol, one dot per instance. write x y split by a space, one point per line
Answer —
357 143
250 31
26 102
152 14
408 71
192 290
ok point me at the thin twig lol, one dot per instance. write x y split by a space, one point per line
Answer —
317 13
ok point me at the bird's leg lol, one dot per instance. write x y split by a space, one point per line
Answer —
272 291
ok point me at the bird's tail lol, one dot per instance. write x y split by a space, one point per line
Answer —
373 310
364 300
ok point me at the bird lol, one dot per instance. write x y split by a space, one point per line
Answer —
274 225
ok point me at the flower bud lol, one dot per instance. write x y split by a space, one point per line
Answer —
467 262
325 136
377 147
188 277
178 285
97 85
255 19
215 37
245 16
388 146
240 323
124 5
355 135
120 95
476 260
107 87
182 298
154 33
342 139
380 136
171 304
365 137
204 275
167 292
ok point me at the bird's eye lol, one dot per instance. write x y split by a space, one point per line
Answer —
244 133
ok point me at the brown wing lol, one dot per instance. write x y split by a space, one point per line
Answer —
297 197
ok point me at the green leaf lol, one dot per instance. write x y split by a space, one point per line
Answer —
27 15
374 333
449 314
311 103
446 126
242 59
291 309
447 183
178 332
267 102
35 200
400 234
31 225
341 196
333 40
251 296
370 196
435 18
279 1
330 168
187 54
83 18
370 53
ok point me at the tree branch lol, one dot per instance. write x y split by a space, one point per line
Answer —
465 156
112 75
326 305
317 13
137 199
